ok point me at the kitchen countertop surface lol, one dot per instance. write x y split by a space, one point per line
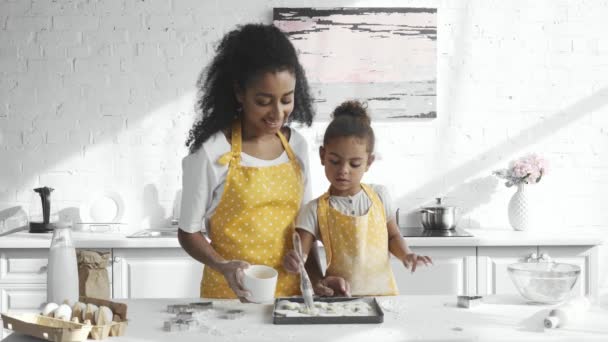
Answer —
481 237
407 318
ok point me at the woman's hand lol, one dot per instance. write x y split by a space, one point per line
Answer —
332 286
291 262
233 273
411 260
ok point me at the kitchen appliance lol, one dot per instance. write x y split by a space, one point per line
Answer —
438 216
421 232
44 226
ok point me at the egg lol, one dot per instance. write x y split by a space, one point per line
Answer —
103 316
64 312
49 309
77 309
89 312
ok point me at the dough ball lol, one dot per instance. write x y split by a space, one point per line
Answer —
64 312
49 309
291 306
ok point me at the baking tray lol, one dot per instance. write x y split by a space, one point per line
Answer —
377 317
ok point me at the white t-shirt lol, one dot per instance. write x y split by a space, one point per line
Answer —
203 178
356 205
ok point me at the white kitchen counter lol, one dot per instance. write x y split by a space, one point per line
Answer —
87 240
407 318
482 237
510 237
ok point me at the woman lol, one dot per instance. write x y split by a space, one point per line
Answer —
247 172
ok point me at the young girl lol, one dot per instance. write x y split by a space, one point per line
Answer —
247 172
354 221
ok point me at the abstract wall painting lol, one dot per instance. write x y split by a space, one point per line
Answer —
386 57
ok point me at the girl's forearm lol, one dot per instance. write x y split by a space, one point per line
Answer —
307 240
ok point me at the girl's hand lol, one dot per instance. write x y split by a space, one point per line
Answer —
291 262
233 273
332 286
411 260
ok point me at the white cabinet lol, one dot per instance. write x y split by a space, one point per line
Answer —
155 273
452 272
171 273
492 262
22 297
22 279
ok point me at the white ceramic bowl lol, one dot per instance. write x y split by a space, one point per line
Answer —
544 282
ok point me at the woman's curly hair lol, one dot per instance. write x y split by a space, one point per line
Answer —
243 54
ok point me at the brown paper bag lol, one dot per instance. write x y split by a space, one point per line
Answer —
93 279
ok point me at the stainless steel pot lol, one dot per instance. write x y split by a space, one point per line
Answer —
438 216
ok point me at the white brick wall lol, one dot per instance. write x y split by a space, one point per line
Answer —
99 94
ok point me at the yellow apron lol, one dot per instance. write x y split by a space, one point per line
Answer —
254 219
356 247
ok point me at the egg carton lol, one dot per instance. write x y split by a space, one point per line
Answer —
57 330
100 332
46 328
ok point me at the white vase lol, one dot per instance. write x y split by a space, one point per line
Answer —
521 209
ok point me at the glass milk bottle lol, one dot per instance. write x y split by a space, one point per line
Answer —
62 270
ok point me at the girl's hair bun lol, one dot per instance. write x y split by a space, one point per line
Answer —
354 109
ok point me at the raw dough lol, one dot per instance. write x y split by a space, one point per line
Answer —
348 308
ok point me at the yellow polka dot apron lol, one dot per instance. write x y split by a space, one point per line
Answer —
254 220
356 247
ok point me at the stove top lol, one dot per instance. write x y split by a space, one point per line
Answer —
421 232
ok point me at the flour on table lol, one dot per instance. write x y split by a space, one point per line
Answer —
348 308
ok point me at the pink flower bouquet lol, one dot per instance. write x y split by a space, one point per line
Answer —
528 169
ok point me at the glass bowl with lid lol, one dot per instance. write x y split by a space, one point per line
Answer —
544 282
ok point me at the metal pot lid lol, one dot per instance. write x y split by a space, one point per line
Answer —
438 205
